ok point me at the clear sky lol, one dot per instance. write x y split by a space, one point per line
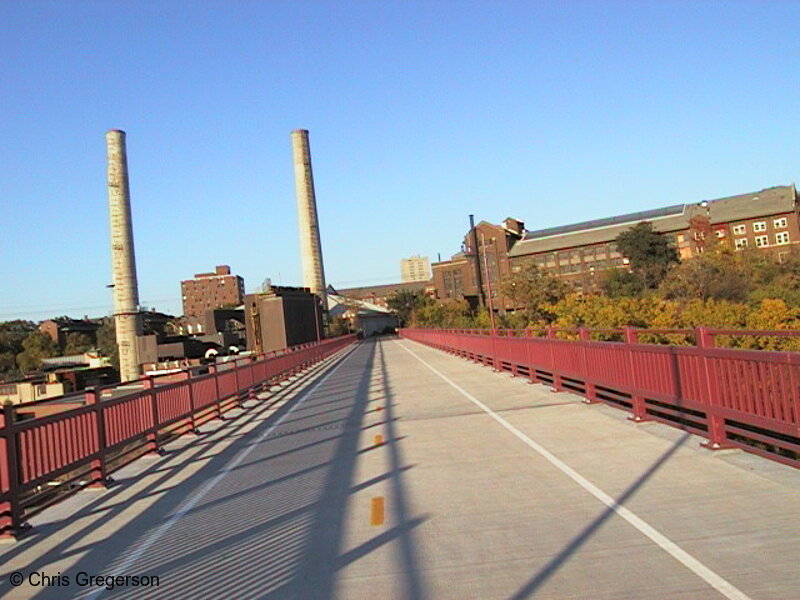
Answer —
419 114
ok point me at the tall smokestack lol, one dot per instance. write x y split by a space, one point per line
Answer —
310 247
123 260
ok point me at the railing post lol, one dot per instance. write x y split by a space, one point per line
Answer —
11 525
717 438
192 408
528 346
638 408
152 436
236 377
98 471
589 389
214 370
495 337
551 336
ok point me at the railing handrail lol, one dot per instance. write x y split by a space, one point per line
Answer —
86 434
735 397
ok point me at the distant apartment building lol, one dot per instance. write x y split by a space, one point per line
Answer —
416 268
580 253
211 290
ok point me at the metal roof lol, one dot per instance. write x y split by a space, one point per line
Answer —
774 200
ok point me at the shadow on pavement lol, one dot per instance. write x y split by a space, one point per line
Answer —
528 590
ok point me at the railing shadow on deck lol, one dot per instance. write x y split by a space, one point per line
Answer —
574 545
269 529
100 557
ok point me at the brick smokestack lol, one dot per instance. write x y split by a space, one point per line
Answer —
310 246
123 260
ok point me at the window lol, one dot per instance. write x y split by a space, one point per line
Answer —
762 240
741 243
720 233
760 226
779 223
739 229
681 238
782 238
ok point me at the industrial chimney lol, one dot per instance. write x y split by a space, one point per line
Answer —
123 261
310 247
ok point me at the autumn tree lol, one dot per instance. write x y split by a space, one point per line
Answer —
708 275
532 290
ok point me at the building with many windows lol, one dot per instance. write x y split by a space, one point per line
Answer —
416 268
212 290
581 252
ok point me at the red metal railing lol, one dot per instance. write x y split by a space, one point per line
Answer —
735 398
115 425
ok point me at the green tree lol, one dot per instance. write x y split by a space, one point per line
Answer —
406 302
77 343
107 341
533 290
12 334
621 283
339 326
35 347
649 253
449 313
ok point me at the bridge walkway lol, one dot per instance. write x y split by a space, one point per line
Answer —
480 486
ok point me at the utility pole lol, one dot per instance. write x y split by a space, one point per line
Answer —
477 254
489 284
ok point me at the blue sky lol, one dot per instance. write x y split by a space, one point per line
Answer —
419 114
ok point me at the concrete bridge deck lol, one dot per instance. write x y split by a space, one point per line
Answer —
482 486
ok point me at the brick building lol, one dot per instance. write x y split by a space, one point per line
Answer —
379 295
581 252
475 273
211 290
58 329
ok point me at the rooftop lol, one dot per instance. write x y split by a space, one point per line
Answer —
774 200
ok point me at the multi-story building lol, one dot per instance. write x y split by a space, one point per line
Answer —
579 253
281 317
475 274
212 290
416 268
